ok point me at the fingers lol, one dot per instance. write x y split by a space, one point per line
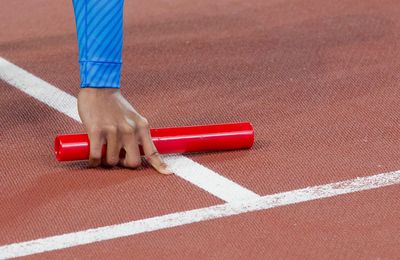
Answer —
132 154
113 147
149 149
96 143
127 137
97 139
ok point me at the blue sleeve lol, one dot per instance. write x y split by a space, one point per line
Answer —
99 26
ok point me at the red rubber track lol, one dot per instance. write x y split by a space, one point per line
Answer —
319 80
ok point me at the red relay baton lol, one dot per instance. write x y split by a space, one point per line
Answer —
185 139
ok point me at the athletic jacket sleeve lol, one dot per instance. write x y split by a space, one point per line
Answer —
99 26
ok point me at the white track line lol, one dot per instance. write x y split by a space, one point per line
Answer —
197 215
183 167
39 89
208 180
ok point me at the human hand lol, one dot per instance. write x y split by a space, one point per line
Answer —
110 119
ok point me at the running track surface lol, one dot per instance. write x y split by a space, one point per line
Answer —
319 81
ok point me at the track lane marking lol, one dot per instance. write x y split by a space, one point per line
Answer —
187 169
192 216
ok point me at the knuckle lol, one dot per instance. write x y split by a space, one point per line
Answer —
94 131
112 160
143 123
153 156
133 163
95 155
111 129
127 129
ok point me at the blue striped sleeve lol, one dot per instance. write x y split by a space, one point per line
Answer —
99 26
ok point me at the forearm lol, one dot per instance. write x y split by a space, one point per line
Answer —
99 25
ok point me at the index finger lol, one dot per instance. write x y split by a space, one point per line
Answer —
96 142
151 153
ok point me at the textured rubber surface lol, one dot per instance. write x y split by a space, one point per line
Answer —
349 227
42 197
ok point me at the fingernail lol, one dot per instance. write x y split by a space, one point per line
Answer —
167 171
